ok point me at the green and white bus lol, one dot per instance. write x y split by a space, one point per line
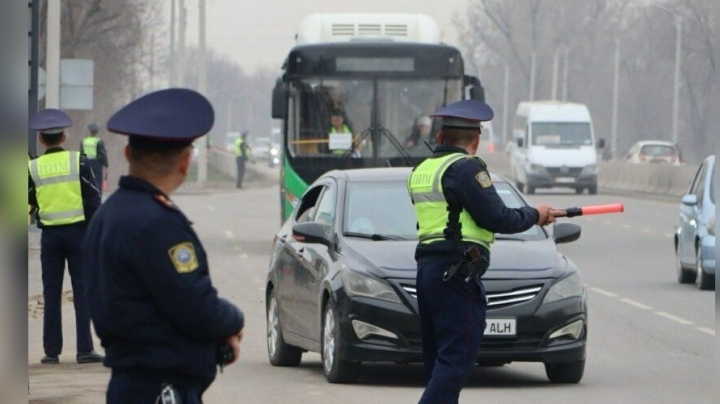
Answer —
382 73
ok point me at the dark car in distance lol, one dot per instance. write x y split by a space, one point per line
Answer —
342 273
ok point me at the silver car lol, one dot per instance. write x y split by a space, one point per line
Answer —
695 230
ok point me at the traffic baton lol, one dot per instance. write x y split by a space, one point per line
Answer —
589 210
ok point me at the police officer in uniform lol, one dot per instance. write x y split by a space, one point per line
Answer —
94 148
458 211
154 307
242 155
64 198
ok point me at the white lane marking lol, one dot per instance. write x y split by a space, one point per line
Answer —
229 234
589 219
209 207
603 292
669 235
707 330
627 226
647 231
608 222
673 318
636 304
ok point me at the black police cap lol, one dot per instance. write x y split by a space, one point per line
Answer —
466 114
164 120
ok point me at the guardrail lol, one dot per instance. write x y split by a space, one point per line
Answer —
654 179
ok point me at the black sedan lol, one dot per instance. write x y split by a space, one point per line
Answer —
342 282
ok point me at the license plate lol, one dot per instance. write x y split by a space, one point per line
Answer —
564 180
501 327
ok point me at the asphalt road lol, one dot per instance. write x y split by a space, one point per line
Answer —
651 340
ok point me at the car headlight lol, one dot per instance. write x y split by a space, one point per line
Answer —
274 152
590 169
711 225
536 167
565 288
357 284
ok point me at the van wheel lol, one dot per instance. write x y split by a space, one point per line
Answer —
579 190
519 185
593 189
529 189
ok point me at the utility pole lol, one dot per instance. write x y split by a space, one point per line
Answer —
676 94
532 77
566 55
52 92
616 80
182 25
33 37
202 88
553 93
506 91
171 60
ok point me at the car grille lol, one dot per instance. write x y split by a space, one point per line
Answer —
496 299
559 172
500 299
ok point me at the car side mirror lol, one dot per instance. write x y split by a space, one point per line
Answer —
690 200
520 142
601 143
314 233
566 232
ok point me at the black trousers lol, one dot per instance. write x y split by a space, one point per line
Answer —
57 246
97 169
144 386
240 161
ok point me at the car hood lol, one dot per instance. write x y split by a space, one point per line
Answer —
509 259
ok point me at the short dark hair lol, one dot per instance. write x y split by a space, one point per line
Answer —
52 139
337 112
158 162
459 137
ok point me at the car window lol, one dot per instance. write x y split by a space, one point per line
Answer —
306 209
698 181
658 150
325 211
700 192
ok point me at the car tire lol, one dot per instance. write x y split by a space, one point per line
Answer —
579 190
519 185
683 275
336 369
592 190
565 372
529 189
279 353
704 280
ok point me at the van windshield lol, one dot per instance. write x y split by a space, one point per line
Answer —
561 134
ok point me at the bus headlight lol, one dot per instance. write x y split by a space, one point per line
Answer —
274 152
357 284
565 288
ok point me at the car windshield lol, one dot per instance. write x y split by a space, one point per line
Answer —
561 134
384 209
658 150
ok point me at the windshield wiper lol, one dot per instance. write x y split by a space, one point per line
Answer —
374 237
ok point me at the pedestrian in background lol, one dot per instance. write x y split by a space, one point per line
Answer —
151 299
243 152
94 148
458 211
63 196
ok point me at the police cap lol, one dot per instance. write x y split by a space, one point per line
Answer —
94 128
164 120
466 114
50 121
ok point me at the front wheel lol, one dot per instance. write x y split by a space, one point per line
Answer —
336 369
566 373
683 275
279 353
592 190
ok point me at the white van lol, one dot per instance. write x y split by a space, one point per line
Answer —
555 147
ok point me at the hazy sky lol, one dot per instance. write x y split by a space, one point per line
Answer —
259 33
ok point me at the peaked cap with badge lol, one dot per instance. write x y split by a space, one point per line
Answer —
465 114
164 120
50 121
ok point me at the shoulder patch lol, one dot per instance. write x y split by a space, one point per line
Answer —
483 178
164 201
183 257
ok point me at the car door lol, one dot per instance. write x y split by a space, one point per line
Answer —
314 263
288 262
687 227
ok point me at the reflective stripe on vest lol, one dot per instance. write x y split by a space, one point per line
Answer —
57 187
345 129
431 207
90 147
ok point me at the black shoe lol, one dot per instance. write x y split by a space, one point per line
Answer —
50 360
89 357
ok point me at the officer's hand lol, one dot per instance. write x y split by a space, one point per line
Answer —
234 342
545 215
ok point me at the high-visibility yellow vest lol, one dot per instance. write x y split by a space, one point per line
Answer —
57 186
345 129
239 150
431 207
90 146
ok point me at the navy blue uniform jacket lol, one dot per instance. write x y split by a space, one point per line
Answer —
483 204
148 286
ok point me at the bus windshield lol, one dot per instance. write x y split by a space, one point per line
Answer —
365 118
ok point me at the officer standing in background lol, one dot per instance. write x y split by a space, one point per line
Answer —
458 211
242 155
94 148
63 196
151 299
